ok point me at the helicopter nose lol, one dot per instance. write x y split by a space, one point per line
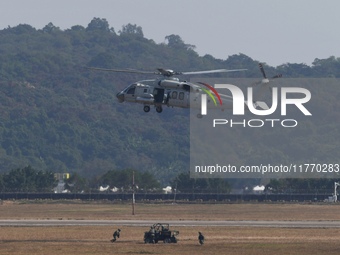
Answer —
120 97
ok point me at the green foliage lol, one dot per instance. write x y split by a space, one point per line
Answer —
77 183
301 186
122 179
130 29
99 25
27 180
176 42
57 116
183 183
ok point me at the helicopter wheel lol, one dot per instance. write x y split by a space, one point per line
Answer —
159 109
146 108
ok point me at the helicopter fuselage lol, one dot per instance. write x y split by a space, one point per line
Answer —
169 92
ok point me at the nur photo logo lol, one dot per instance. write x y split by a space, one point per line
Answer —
241 103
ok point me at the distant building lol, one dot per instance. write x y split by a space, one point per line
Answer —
259 189
167 190
60 177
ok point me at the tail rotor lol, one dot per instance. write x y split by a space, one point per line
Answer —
262 71
264 84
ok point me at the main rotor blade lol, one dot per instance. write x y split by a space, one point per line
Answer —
121 70
212 71
164 72
262 71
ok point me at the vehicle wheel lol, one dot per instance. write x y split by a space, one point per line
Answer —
147 240
146 108
167 240
159 109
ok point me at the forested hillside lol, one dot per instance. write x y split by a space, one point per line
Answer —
56 115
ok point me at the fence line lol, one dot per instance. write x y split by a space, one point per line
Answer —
189 197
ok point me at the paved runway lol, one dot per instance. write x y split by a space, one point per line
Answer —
271 224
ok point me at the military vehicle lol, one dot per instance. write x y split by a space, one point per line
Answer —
160 232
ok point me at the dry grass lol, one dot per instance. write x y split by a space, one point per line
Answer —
219 240
119 211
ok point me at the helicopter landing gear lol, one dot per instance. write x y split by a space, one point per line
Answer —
146 108
159 109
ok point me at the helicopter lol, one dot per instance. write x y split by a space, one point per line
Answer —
166 90
170 91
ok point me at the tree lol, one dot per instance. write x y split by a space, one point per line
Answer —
44 181
184 183
122 179
23 28
327 67
175 41
28 180
76 183
304 186
49 28
242 61
98 24
132 30
77 28
2 184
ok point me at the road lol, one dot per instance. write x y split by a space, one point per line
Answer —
270 224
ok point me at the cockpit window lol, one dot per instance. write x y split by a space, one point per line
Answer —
130 89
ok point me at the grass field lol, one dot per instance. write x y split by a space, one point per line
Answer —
219 240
